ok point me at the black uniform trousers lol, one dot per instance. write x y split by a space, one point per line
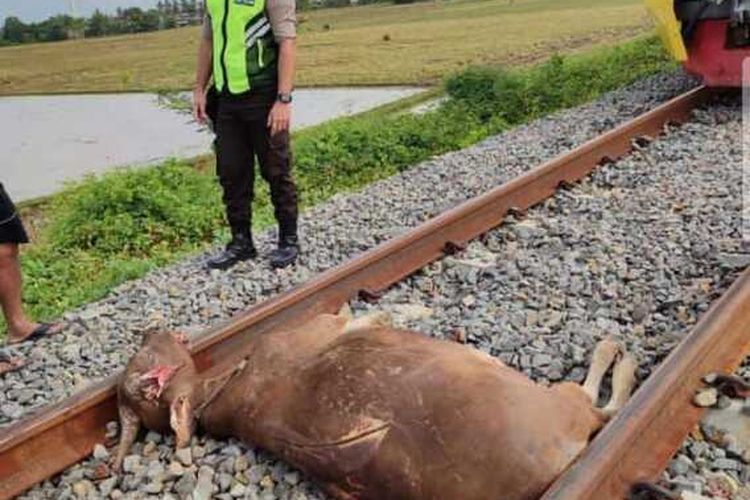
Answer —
242 134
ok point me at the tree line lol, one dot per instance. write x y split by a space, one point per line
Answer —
167 14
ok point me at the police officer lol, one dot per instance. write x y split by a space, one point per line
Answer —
248 46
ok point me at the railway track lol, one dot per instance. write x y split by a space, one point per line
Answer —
47 443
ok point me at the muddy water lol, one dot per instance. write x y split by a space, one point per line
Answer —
47 140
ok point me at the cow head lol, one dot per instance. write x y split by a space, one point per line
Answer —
158 390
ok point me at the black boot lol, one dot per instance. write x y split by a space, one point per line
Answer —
239 249
287 252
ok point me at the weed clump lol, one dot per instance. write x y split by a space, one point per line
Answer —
516 96
138 212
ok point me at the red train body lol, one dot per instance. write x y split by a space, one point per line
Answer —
717 38
710 59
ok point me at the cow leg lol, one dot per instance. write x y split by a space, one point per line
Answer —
346 312
373 320
605 353
623 381
130 424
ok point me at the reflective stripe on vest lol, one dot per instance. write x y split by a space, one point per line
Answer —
243 43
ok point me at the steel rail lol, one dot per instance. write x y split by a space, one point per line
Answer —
47 443
639 442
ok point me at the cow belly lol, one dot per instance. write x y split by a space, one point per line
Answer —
428 434
386 414
484 451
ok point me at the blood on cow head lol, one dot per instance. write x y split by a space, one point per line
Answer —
155 381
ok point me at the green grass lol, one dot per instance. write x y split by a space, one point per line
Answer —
367 45
106 230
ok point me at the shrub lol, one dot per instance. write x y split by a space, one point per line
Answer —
352 152
137 212
561 82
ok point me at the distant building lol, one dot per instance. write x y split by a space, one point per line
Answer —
187 19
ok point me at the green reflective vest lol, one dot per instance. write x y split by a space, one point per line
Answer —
245 51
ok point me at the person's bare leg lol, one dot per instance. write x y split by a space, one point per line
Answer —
19 325
10 293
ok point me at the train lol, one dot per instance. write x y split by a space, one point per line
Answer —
711 38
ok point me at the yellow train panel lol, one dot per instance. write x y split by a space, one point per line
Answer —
668 27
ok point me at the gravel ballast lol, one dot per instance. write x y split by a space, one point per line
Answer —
638 250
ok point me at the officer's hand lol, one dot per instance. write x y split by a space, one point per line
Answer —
199 106
279 117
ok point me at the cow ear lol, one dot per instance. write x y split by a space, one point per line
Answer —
181 419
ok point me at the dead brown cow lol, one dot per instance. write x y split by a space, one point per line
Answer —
373 412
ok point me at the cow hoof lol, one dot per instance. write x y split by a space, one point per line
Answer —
606 351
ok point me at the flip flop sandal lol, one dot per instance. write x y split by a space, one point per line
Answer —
9 364
42 331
